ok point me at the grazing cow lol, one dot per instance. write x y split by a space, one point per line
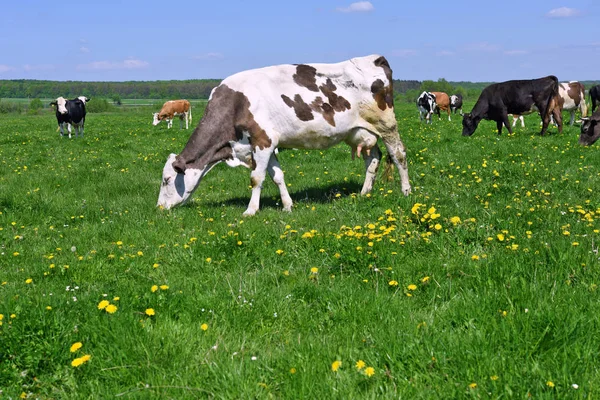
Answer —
515 97
426 105
305 106
442 102
456 103
172 108
590 129
595 95
70 112
572 97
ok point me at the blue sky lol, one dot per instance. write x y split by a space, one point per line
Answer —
470 40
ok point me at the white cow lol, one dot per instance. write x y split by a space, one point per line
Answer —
305 106
172 108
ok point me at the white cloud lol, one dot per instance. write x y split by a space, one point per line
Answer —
481 46
360 6
5 68
130 63
39 67
209 56
563 12
403 53
515 52
445 53
84 49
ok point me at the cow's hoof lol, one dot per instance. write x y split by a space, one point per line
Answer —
249 213
407 191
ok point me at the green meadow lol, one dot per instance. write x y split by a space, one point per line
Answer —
482 283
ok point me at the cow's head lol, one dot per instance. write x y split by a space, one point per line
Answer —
469 124
155 120
60 104
177 185
83 99
590 130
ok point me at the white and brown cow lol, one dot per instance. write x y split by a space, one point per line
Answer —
172 108
306 106
572 98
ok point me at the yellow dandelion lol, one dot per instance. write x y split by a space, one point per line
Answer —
119 243
472 385
360 364
208 259
369 371
111 308
314 270
425 279
336 365
155 265
411 287
164 287
103 304
474 257
455 220
140 253
204 327
149 311
550 384
494 377
500 237
75 346
28 281
292 371
154 288
117 298
438 227
48 308
393 283
81 360
279 251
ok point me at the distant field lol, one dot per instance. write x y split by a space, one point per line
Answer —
125 102
483 283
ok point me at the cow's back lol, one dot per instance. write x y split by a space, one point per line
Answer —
299 100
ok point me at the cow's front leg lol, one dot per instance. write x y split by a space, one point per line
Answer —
372 159
62 131
257 177
276 174
69 129
397 153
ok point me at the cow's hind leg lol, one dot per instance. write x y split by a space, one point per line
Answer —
69 129
257 177
397 153
372 161
275 172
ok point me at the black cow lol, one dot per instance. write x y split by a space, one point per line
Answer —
499 100
70 112
590 129
456 103
426 104
595 95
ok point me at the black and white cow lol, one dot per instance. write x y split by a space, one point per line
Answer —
70 112
456 103
426 105
305 106
519 97
590 129
595 95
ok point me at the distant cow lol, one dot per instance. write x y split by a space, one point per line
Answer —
442 102
426 106
515 97
590 129
305 106
595 95
172 108
70 112
456 103
572 97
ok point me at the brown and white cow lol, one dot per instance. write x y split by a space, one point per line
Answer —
590 129
172 108
572 98
442 102
305 106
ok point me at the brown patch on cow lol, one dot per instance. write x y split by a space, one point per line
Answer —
574 92
325 109
378 90
338 103
303 111
388 91
226 118
305 76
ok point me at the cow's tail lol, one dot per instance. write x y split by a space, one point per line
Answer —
190 113
551 102
388 172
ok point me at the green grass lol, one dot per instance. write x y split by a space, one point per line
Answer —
504 304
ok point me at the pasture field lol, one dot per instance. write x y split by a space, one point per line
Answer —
482 283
